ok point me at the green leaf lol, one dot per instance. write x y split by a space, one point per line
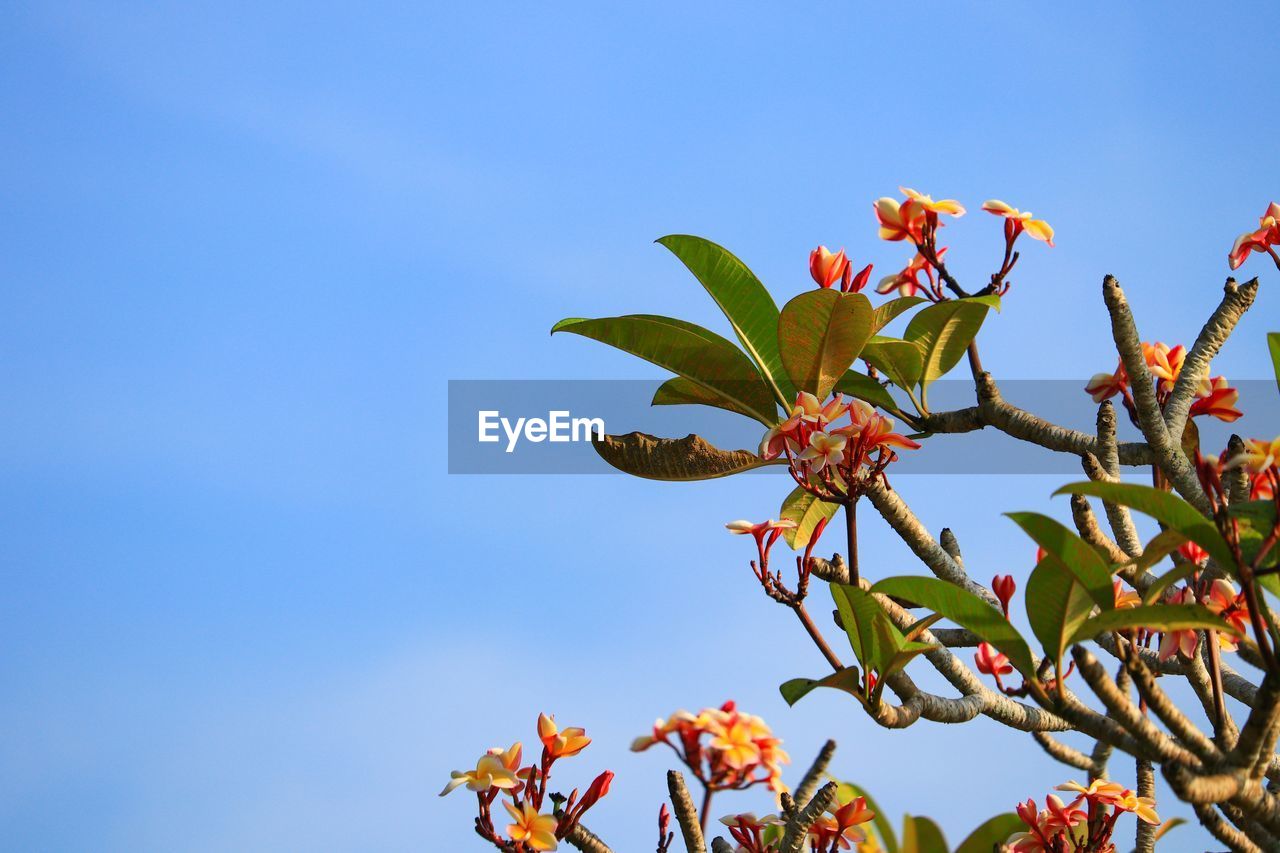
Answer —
943 332
743 299
967 610
863 387
821 332
1256 520
885 314
901 361
1273 344
1156 591
688 458
679 391
921 835
1057 605
1077 555
806 511
847 680
697 354
991 834
847 792
1161 545
1158 617
1167 508
859 614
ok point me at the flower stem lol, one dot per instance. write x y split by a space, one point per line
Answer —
851 532
707 791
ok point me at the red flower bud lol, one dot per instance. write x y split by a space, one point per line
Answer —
1004 587
853 283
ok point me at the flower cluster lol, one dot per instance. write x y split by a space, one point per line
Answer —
1084 824
915 219
723 747
829 459
836 829
1164 365
1219 596
1263 239
499 773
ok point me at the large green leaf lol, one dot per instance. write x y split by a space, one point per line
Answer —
1077 555
944 332
1273 344
697 354
743 299
1161 545
688 458
848 791
1157 617
678 391
1167 508
921 835
901 361
859 385
1255 519
859 614
991 834
806 511
885 314
966 610
1057 605
821 332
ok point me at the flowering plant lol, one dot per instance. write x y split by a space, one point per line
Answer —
828 384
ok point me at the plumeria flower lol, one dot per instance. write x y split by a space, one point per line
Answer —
536 830
1143 807
824 449
1017 221
1061 815
904 221
1182 642
1125 598
1104 386
736 745
1193 553
1164 363
1259 455
1223 600
1263 239
948 205
992 662
907 280
1216 399
759 529
497 768
877 431
827 267
561 744
1099 791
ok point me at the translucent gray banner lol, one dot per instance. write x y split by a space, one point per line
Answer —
544 426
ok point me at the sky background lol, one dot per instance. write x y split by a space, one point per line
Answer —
243 247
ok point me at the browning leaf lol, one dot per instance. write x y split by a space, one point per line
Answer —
688 458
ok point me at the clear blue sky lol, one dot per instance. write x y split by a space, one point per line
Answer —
242 249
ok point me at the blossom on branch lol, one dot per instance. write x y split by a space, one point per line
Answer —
1017 221
1263 239
827 267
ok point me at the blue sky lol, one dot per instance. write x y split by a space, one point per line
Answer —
244 247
